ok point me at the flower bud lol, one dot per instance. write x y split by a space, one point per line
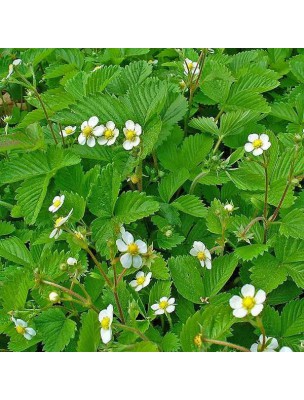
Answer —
169 233
54 297
198 340
229 207
134 179
63 267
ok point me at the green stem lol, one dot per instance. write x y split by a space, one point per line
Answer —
227 344
265 198
131 329
196 179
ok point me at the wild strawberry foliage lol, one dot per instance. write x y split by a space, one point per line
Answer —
150 200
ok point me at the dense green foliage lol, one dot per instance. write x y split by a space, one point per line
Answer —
189 179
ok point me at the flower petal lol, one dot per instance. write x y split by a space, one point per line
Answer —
264 137
30 331
252 137
236 302
98 131
126 260
133 283
82 139
265 145
93 121
257 152
128 145
130 125
159 312
155 307
254 347
141 246
110 125
83 125
170 309
102 141
140 274
106 335
127 237
240 313
260 296
136 141
171 301
138 129
208 263
121 245
248 147
248 291
256 310
137 261
193 252
91 141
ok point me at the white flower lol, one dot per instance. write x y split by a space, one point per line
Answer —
54 297
141 280
68 130
164 305
57 203
286 349
131 249
22 329
270 344
56 232
90 130
71 261
250 303
105 319
229 207
191 67
15 63
257 144
6 118
132 131
199 250
109 134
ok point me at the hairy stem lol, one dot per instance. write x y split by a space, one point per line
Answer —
227 344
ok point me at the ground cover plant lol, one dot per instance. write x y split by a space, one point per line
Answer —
150 200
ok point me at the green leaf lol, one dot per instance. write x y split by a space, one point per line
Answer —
247 253
159 269
190 204
13 249
98 80
56 330
293 318
89 336
15 289
205 125
6 228
31 140
31 195
292 224
142 347
132 206
171 183
267 273
170 342
186 277
222 269
105 192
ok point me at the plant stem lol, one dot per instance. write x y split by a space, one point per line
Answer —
261 327
227 344
196 179
193 86
251 223
134 330
219 141
85 302
122 318
97 263
265 198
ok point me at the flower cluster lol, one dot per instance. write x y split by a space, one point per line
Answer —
106 134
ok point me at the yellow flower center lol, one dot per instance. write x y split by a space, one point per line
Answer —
133 249
130 135
20 329
198 340
108 134
201 256
68 131
140 280
57 203
163 304
190 66
248 302
87 131
105 323
257 143
134 179
57 222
